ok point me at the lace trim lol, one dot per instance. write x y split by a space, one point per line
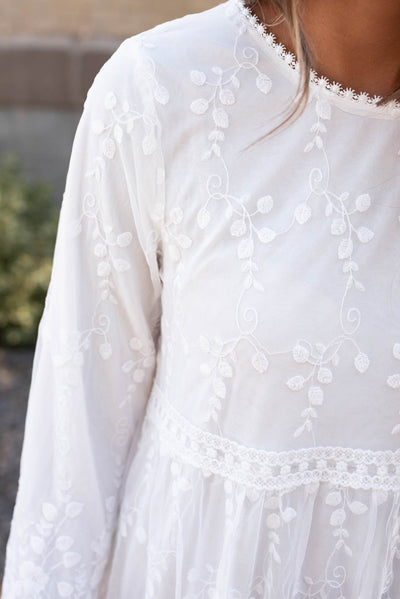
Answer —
261 469
360 99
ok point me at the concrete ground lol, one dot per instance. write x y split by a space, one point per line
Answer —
15 376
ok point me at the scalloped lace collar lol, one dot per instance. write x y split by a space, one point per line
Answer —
346 98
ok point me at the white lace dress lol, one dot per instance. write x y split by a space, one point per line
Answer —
214 409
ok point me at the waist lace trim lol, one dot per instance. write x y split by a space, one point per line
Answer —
268 470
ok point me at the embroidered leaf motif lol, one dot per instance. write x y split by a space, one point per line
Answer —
337 517
121 265
300 353
260 361
109 147
49 511
176 215
197 77
225 368
71 558
124 239
64 542
220 117
364 234
184 241
308 147
219 387
264 83
324 375
299 430
245 248
338 226
118 133
110 101
37 544
235 81
135 343
265 204
396 429
334 498
138 375
288 514
199 106
161 94
266 235
238 227
318 142
272 502
357 507
394 381
381 496
273 521
315 395
349 265
226 96
345 248
203 218
363 202
361 362
348 550
248 281
274 553
358 285
296 382
73 509
323 109
65 589
149 144
302 213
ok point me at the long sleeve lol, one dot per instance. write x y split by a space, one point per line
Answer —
96 350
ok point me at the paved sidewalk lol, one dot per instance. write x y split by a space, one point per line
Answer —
15 377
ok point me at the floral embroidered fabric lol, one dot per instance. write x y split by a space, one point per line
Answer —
214 410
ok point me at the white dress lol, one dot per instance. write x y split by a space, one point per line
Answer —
214 410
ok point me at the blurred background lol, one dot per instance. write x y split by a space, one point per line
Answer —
50 51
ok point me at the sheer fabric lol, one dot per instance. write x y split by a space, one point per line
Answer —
214 410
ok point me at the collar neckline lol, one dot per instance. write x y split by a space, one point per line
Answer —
345 98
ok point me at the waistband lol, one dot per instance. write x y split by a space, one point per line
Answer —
268 470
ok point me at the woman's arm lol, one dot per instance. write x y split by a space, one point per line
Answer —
95 356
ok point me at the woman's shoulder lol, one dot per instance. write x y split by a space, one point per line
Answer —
169 49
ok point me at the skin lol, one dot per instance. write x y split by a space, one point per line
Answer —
355 43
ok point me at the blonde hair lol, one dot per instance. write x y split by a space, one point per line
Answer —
289 11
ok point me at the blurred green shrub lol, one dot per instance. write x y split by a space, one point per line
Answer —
28 227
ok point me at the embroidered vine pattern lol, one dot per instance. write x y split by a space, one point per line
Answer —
48 538
221 95
321 357
316 80
334 576
393 380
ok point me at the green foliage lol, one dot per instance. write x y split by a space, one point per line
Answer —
28 227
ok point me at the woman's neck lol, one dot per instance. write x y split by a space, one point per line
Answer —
354 43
